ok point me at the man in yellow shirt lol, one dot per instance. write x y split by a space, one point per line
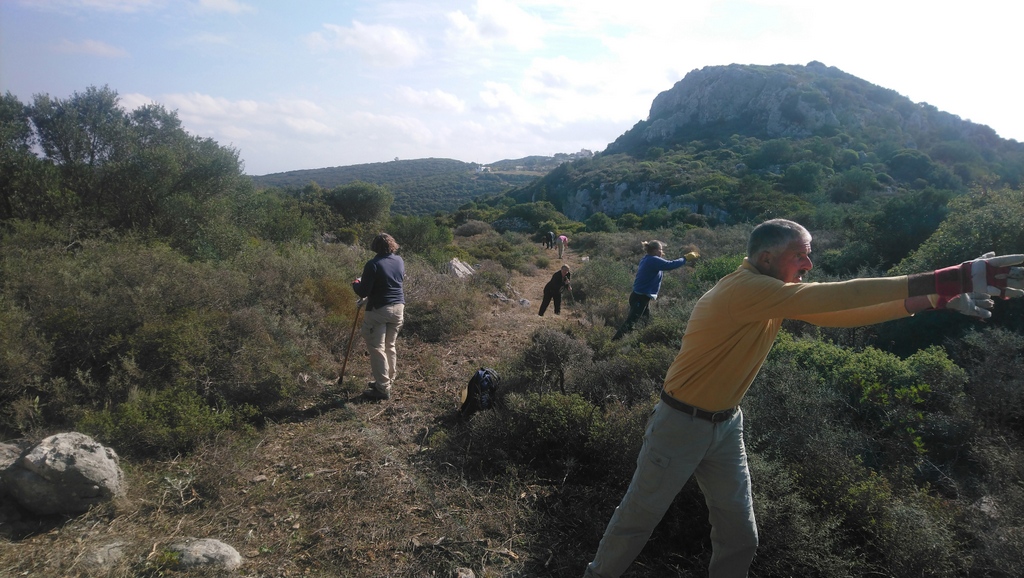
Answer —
697 428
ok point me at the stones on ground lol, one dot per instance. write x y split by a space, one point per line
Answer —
194 552
66 473
464 573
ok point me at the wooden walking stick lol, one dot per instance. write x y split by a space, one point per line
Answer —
351 337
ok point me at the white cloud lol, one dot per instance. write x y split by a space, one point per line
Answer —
385 46
392 128
308 126
92 48
502 99
430 99
496 23
228 6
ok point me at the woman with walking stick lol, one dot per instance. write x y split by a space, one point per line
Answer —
381 286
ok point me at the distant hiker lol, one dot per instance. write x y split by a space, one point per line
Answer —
381 285
553 290
563 242
648 282
551 239
697 427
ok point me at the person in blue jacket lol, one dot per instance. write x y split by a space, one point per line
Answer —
648 282
380 286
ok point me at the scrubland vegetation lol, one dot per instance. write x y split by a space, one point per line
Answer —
152 297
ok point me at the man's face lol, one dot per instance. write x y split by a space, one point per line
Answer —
790 264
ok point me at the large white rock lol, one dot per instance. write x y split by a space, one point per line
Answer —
459 269
66 473
206 552
9 453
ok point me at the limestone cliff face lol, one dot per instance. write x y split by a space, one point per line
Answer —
621 198
616 199
773 101
786 101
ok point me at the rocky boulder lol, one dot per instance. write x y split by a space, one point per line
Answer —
66 473
459 269
207 552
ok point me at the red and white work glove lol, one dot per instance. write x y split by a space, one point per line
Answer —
970 304
987 274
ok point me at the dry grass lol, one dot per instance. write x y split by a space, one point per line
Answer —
345 489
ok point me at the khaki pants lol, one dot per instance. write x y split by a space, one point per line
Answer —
677 446
380 330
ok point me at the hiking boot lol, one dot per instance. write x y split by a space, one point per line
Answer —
374 392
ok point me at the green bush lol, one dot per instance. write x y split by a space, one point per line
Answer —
798 538
976 223
555 434
490 276
708 271
439 306
632 377
115 315
992 358
601 289
548 362
511 250
472 228
165 422
24 357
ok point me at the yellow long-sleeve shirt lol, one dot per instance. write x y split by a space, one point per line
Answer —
733 326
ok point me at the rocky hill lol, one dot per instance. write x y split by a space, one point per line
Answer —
723 131
793 101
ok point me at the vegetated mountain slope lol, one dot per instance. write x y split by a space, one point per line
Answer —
738 142
420 186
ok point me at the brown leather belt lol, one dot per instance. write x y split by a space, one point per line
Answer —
711 416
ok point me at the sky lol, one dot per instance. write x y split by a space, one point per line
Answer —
304 84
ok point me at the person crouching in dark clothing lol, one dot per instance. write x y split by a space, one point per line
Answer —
553 290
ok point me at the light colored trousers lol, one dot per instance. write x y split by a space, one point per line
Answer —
676 446
380 330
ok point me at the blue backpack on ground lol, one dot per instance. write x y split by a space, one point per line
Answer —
480 393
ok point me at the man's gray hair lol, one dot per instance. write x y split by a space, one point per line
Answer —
775 235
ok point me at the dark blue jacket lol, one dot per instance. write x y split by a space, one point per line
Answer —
650 272
382 281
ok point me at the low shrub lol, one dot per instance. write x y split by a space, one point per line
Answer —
471 228
161 422
553 434
491 276
708 272
512 250
93 324
439 306
632 377
548 363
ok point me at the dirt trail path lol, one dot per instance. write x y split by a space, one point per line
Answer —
411 500
443 369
